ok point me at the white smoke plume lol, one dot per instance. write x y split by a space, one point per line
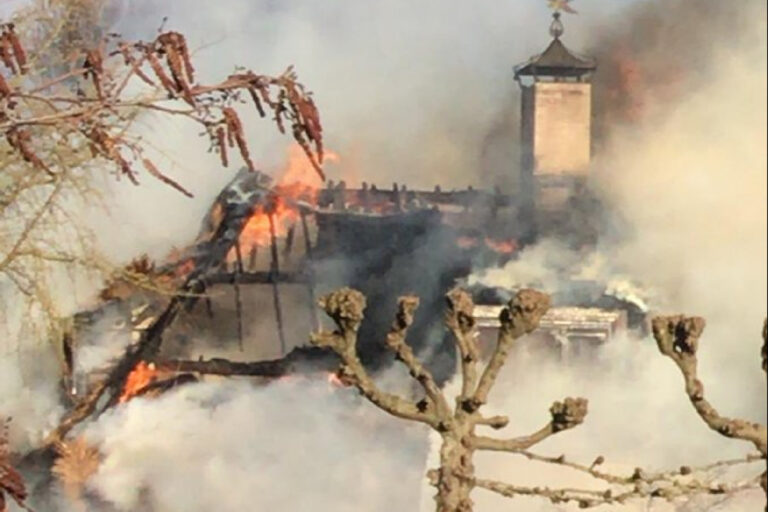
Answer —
688 180
422 93
298 444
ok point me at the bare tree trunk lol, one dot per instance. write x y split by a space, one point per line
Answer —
456 474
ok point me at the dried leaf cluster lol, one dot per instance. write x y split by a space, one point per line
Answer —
166 67
11 483
70 95
75 463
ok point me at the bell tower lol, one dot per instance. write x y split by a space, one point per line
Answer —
556 111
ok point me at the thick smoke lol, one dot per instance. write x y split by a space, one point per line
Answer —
230 446
683 165
422 93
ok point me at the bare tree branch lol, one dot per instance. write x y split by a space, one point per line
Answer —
346 307
678 338
565 415
520 318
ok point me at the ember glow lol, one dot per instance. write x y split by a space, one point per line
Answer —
498 246
335 381
140 377
467 242
637 84
501 246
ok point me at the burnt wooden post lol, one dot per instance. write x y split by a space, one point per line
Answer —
496 202
238 300
339 199
274 273
289 241
396 199
409 198
365 198
469 199
327 195
310 273
252 256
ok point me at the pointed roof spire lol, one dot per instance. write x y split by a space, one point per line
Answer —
556 60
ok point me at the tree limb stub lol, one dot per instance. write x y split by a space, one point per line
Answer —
521 316
677 337
460 320
396 342
345 307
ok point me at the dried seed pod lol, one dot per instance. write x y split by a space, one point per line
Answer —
19 140
157 68
5 89
94 64
183 49
125 167
279 109
109 148
6 54
170 45
222 145
151 169
312 125
264 91
18 50
231 127
257 101
235 127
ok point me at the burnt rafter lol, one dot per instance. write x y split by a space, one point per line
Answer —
299 359
368 196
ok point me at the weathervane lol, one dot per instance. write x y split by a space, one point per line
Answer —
561 5
556 29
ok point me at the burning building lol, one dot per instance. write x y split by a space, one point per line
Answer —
246 288
565 333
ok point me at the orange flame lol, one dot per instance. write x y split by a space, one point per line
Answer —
501 246
467 242
298 181
140 377
335 381
640 82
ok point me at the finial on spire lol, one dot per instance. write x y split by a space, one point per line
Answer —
556 29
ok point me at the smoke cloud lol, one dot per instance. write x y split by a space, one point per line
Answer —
682 171
422 93
298 444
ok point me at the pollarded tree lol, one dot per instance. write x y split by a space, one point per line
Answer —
678 338
457 422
